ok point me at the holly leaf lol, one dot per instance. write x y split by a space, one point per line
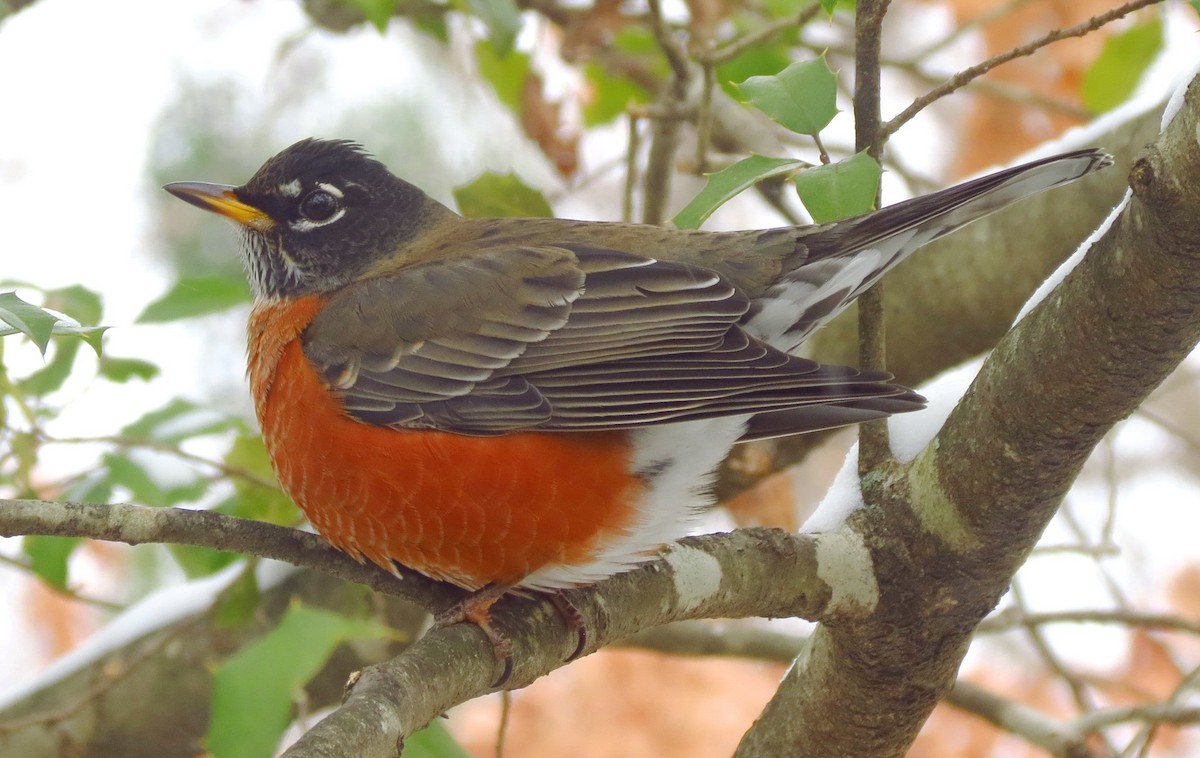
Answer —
176 421
25 318
124 369
378 12
608 96
729 182
840 190
502 19
196 296
802 97
505 73
496 195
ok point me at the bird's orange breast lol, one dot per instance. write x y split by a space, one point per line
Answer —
470 510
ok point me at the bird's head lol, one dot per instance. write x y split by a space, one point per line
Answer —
316 216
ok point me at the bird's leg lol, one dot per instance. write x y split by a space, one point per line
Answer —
476 608
573 619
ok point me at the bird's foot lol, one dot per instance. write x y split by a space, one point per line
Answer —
573 619
476 608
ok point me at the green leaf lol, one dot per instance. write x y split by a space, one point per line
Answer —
728 182
197 562
196 296
494 195
1125 57
93 488
48 557
610 96
123 369
77 301
253 689
171 423
802 97
237 603
250 500
52 376
26 318
505 73
502 19
378 12
840 190
829 5
124 472
432 22
433 742
756 60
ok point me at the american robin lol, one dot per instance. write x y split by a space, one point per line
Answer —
541 403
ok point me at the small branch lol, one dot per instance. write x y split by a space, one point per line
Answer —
1051 735
966 75
1011 618
874 447
983 19
137 524
746 41
166 447
665 139
1157 713
67 592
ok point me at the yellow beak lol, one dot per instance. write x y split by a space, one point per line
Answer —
220 198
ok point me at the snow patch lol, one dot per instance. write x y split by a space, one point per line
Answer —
844 563
157 610
697 575
843 498
910 433
1070 263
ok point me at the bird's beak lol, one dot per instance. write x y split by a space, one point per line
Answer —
220 198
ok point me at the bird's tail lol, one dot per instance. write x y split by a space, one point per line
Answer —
931 216
842 260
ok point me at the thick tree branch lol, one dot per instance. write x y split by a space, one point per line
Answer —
956 524
749 572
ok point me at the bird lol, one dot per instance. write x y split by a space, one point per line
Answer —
537 404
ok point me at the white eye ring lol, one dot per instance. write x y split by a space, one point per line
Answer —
318 208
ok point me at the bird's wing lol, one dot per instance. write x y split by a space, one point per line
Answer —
561 338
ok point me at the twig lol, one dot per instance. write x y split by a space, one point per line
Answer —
1079 692
1012 618
970 25
968 74
106 605
171 449
746 41
631 168
874 448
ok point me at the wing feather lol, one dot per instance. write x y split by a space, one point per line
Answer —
560 338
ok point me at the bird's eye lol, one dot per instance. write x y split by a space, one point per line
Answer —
319 205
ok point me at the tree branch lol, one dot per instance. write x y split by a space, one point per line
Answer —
953 527
968 74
